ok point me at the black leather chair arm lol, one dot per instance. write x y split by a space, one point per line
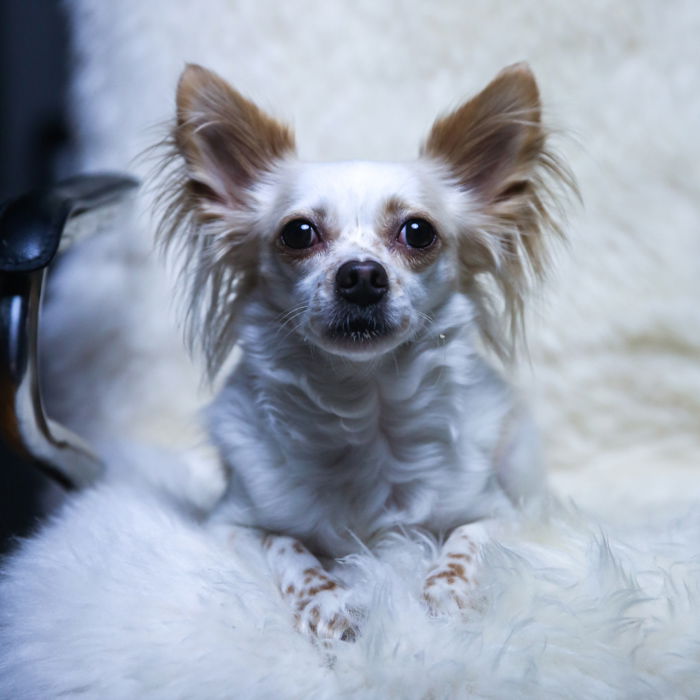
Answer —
33 229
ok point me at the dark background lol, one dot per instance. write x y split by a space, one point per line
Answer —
34 151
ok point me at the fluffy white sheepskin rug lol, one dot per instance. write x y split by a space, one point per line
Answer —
124 594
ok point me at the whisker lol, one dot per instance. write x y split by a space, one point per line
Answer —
291 312
287 319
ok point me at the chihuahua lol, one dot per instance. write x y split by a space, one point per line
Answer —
362 296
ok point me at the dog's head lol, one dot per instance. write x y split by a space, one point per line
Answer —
357 258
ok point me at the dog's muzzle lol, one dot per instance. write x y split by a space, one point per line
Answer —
359 316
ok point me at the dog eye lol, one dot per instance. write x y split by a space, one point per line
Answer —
417 233
299 233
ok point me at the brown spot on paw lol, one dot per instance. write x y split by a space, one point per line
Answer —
458 570
327 586
455 555
443 574
314 618
310 575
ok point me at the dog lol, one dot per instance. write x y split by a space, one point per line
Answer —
364 297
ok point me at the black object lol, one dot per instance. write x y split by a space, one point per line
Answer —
33 228
362 283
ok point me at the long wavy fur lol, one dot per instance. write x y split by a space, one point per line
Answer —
219 147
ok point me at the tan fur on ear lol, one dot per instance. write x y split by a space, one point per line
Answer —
220 146
495 137
496 149
226 140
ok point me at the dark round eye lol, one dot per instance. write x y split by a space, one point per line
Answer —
298 234
417 233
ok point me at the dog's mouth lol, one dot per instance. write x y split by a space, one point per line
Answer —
359 328
359 333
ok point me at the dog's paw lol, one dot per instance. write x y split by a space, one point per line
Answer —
326 616
321 607
452 587
448 593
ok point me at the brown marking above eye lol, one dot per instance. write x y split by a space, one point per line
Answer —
395 215
394 208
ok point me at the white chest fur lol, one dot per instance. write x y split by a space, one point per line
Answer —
331 451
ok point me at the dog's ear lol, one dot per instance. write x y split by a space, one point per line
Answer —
227 142
219 148
494 147
492 142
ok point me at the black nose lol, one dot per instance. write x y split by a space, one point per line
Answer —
362 283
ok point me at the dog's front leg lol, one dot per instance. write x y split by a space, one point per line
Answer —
451 584
317 599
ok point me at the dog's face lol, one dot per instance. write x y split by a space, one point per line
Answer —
357 257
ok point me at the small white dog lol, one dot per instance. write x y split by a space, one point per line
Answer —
357 292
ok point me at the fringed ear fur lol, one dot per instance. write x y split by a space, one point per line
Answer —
218 150
495 148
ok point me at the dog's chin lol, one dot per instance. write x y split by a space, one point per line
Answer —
360 338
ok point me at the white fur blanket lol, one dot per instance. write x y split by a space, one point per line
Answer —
123 594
